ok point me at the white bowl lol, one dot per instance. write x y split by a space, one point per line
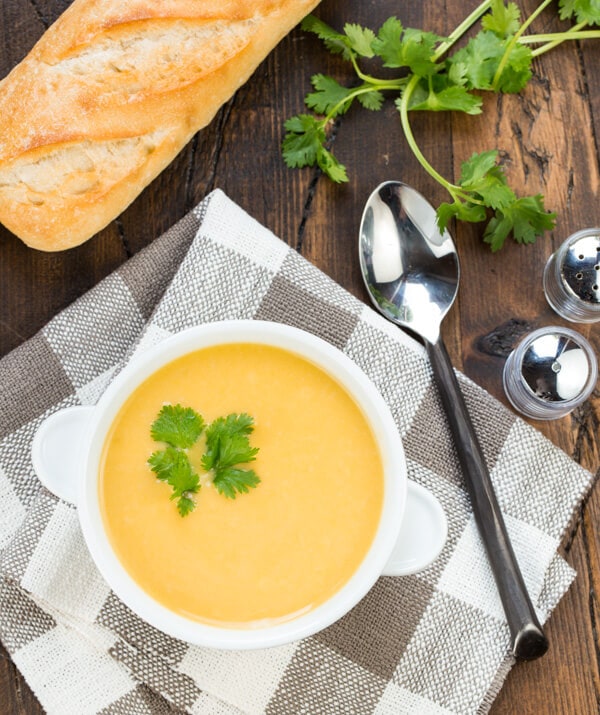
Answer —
80 432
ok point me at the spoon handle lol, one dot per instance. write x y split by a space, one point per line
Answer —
528 639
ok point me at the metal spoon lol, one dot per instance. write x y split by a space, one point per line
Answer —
411 271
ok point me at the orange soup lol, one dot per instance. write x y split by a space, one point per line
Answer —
287 545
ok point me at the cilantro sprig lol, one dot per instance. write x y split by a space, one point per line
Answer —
484 185
177 426
497 59
227 447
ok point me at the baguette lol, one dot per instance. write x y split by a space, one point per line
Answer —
108 97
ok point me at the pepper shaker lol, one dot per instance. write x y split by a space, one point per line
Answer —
572 277
552 371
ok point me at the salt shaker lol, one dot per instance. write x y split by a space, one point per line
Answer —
572 277
552 371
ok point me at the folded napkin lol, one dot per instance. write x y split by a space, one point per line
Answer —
433 643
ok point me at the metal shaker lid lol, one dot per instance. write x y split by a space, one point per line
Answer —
580 266
555 367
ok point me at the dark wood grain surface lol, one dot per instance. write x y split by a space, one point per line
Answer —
548 137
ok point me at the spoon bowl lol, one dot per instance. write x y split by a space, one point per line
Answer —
411 272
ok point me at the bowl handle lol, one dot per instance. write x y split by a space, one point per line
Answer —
58 450
422 534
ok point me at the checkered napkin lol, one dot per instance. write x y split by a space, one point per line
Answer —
433 643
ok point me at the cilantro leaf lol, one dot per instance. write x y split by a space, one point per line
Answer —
185 505
480 59
372 100
328 96
360 39
173 466
583 10
234 449
227 442
474 169
305 134
232 481
494 189
517 71
437 94
462 210
457 73
454 98
163 461
303 145
228 446
399 47
525 217
242 423
330 166
182 478
503 20
335 42
388 43
178 426
419 48
481 176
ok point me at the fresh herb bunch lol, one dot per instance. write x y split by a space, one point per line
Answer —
497 59
227 446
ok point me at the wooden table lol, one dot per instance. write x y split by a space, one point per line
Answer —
548 137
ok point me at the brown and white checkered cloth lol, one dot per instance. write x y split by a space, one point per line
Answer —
433 643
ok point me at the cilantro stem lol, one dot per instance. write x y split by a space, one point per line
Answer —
452 189
362 89
514 40
460 30
393 84
482 184
553 39
455 191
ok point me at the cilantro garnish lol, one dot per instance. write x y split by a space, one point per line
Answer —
178 426
163 461
498 59
173 466
227 447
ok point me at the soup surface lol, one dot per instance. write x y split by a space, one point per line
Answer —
287 545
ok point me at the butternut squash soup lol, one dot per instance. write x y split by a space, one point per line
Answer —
284 547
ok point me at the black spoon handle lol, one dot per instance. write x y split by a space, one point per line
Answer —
528 639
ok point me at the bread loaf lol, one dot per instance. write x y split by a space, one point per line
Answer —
110 94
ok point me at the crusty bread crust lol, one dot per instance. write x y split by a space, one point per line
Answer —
108 97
